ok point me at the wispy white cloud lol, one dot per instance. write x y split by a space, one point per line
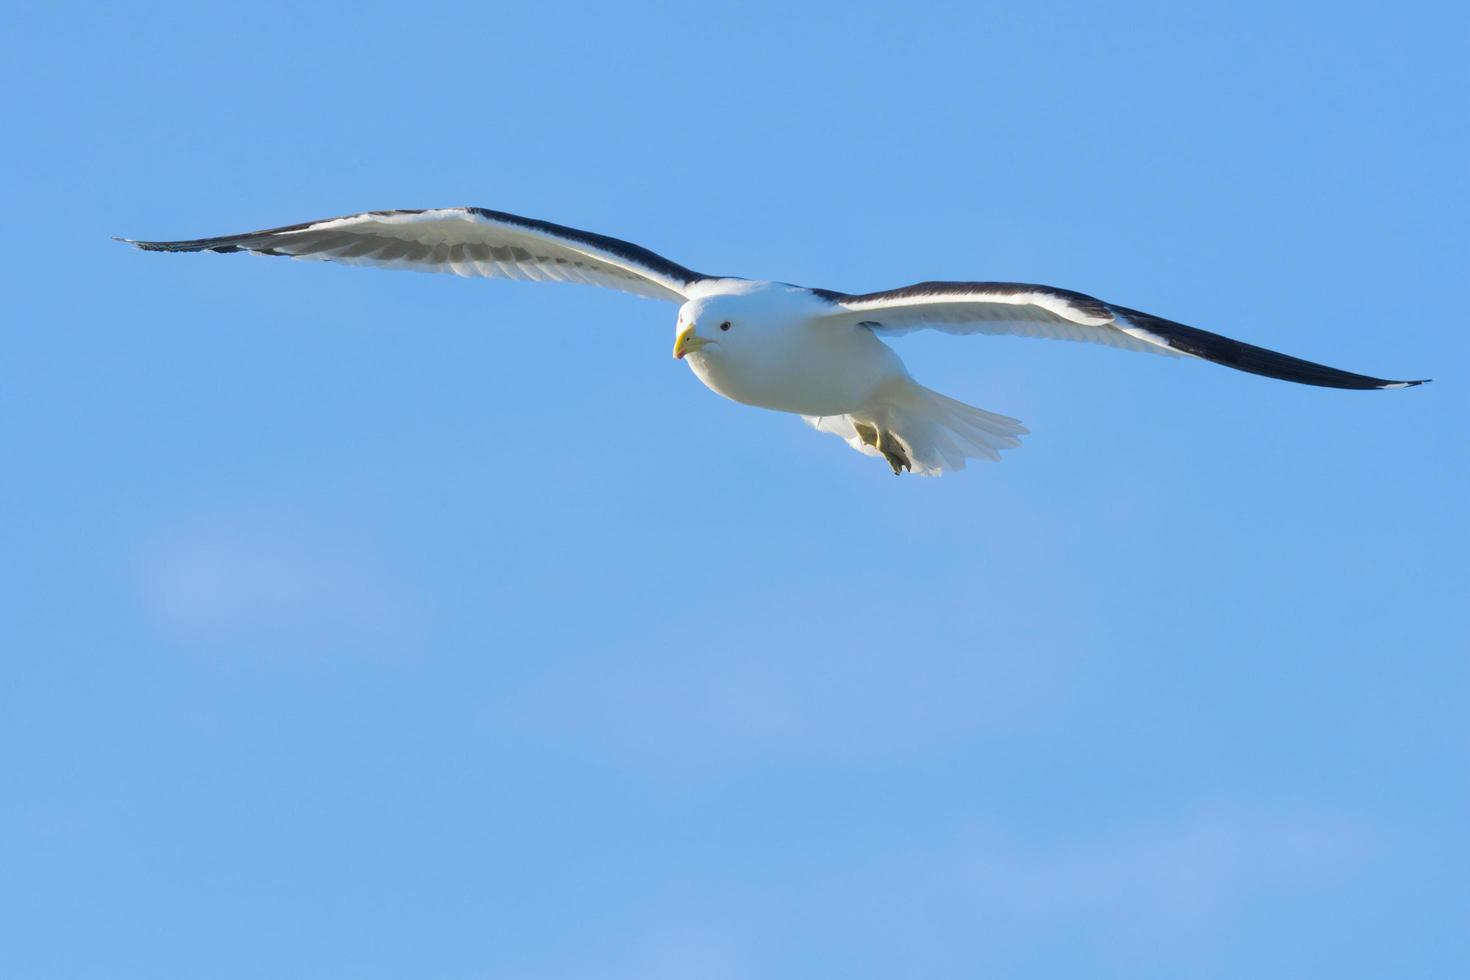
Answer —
252 575
1160 897
844 693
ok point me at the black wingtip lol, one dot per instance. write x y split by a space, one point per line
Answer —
199 245
1252 359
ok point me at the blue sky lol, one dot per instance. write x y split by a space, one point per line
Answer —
377 625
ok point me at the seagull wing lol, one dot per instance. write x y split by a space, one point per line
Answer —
467 242
1061 314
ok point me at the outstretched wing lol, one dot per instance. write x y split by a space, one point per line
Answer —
467 242
1061 314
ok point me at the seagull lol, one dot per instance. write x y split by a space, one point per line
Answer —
817 353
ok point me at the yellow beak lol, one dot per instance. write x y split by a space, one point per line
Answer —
688 342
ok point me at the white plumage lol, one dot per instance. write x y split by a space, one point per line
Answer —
812 352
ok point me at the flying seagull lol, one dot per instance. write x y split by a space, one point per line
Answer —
817 353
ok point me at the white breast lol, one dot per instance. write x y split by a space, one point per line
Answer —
808 369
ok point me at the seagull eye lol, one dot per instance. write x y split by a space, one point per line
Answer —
725 325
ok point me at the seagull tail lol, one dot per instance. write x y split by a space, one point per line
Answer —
920 430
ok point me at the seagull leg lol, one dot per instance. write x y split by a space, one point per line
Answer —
886 443
894 452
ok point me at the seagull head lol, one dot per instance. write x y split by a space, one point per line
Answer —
733 325
702 324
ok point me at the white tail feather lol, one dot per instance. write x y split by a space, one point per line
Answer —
938 433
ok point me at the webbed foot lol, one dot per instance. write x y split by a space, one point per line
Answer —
887 444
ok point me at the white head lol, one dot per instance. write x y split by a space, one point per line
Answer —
735 326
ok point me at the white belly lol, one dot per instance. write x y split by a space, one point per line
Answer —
822 370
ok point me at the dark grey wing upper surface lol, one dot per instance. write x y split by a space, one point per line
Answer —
467 242
1248 357
1032 310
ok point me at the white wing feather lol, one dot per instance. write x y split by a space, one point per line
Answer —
1061 314
1021 309
465 242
